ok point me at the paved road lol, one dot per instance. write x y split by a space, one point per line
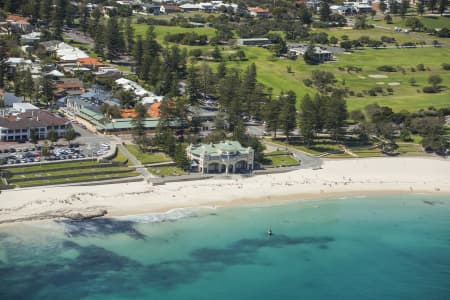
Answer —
79 37
306 161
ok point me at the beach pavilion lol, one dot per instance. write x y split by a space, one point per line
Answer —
225 157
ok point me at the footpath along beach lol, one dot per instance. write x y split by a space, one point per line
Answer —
336 177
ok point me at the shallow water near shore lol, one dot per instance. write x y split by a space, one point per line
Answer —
374 247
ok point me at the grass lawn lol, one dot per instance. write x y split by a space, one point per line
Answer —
272 72
68 172
120 157
374 33
166 171
76 179
410 149
375 152
147 157
427 21
316 149
339 155
51 166
279 159
161 31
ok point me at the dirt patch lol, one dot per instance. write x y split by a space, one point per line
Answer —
393 83
380 83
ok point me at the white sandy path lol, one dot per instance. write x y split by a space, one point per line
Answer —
350 176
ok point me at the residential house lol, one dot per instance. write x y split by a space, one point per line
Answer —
151 8
259 12
108 72
362 8
9 99
67 86
30 38
169 9
18 24
188 7
90 63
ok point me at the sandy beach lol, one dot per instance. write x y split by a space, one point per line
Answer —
337 177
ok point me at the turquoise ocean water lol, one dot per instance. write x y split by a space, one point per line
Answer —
377 247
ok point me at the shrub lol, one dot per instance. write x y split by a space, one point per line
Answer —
378 89
359 94
409 44
429 89
195 53
308 82
372 92
445 66
420 67
387 39
390 90
387 68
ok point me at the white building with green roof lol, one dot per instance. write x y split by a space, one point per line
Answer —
225 157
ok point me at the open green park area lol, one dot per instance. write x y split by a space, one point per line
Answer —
279 159
147 157
162 171
427 21
373 33
332 150
161 31
273 72
283 74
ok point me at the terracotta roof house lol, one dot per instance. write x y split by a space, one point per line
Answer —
90 62
68 86
19 24
259 12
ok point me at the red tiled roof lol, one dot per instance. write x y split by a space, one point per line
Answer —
16 18
90 61
257 10
154 111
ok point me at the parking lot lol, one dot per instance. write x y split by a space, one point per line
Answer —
26 153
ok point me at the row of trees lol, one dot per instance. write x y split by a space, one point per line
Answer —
159 67
383 122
